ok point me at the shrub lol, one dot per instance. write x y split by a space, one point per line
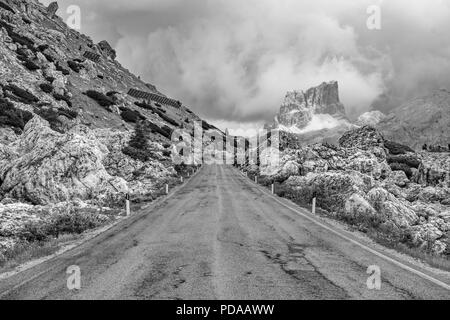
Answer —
111 93
20 39
30 65
43 47
46 87
60 97
411 161
401 167
11 116
145 106
138 148
101 99
50 58
159 112
6 7
70 222
70 114
136 154
165 131
60 68
52 116
50 79
396 148
75 66
34 232
139 140
23 95
131 116
167 153
73 222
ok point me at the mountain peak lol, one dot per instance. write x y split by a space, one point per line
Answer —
299 107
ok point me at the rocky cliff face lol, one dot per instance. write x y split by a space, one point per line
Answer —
299 107
424 120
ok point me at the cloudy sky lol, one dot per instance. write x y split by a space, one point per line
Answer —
232 61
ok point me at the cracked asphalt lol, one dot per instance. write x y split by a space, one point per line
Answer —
220 237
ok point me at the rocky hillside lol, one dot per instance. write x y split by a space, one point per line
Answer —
66 119
68 112
374 184
424 120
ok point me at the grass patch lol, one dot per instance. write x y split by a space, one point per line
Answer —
24 251
440 262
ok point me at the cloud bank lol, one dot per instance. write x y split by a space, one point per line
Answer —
233 61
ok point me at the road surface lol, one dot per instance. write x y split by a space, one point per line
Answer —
222 237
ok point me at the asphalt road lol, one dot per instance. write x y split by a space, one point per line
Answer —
222 237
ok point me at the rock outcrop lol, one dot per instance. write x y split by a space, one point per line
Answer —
106 48
52 9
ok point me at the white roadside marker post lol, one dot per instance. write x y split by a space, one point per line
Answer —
256 179
127 204
167 189
181 179
314 206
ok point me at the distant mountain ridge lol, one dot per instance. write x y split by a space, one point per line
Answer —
423 120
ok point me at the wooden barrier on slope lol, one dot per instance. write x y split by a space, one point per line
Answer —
153 97
92 56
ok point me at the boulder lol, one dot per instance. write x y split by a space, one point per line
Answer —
399 178
358 209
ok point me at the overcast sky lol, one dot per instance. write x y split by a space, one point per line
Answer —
232 61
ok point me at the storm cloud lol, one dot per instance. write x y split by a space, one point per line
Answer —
232 61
